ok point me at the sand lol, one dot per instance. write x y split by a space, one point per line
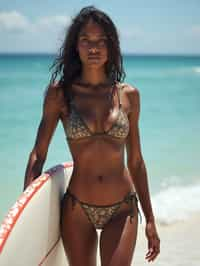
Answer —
180 245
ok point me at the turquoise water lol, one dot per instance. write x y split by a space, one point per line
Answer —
169 125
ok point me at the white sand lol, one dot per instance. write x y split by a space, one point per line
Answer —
180 245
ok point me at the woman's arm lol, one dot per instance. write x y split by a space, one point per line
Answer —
136 166
48 123
135 162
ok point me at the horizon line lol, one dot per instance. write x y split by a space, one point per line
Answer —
123 53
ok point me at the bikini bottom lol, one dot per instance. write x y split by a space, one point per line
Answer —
100 215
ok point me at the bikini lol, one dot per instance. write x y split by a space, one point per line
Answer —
75 129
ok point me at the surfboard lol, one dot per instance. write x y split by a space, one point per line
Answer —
30 232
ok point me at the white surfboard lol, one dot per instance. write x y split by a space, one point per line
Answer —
30 232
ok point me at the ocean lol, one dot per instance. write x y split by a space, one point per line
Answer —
169 124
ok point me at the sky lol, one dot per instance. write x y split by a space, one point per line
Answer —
144 27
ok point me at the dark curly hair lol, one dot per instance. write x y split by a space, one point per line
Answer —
68 65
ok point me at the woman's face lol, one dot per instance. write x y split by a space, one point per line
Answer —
92 45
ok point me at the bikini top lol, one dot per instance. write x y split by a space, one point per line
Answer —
76 128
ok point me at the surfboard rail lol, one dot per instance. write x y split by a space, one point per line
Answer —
16 211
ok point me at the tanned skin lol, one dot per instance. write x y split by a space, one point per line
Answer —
99 175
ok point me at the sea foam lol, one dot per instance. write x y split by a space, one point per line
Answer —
197 69
176 203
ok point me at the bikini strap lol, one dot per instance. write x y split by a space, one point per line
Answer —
74 199
139 213
118 86
71 99
132 199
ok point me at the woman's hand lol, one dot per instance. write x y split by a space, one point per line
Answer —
153 241
27 182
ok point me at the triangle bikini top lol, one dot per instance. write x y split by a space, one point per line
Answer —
76 128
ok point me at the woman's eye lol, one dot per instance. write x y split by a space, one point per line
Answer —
84 41
102 42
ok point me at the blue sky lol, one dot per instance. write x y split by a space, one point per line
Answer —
153 27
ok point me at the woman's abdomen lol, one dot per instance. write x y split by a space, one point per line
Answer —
101 187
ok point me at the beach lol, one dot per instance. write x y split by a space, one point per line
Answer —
179 245
169 134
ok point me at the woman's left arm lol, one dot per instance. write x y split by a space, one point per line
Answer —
137 169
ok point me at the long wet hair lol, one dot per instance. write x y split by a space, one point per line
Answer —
68 65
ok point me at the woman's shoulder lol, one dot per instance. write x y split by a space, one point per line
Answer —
54 95
131 91
53 91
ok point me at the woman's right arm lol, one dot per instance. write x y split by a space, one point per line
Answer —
50 116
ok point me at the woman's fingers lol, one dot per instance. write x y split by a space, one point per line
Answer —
153 241
153 248
151 255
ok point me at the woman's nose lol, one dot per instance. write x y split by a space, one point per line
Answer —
93 46
92 49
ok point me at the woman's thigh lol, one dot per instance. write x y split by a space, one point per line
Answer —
78 234
118 239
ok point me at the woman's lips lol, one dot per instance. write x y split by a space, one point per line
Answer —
93 57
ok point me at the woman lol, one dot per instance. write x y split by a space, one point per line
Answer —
100 117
